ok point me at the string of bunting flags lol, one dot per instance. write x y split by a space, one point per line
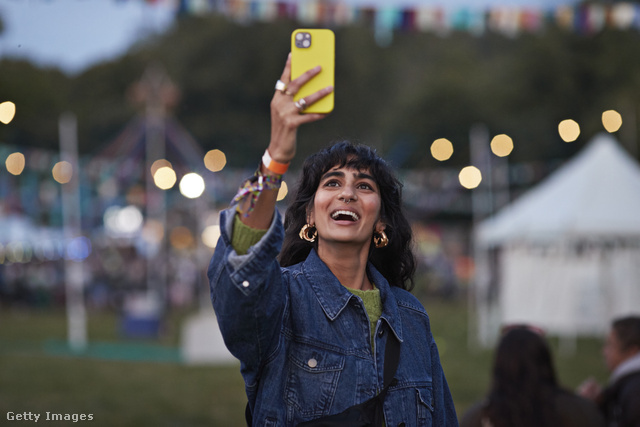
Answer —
440 19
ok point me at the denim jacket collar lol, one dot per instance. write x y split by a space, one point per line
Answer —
334 297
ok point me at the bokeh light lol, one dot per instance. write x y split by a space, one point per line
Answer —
210 236
153 231
215 160
283 191
192 185
78 249
470 177
123 221
159 164
62 172
18 252
108 189
14 252
48 250
442 149
569 130
130 219
165 177
7 112
136 195
181 238
611 120
15 163
502 145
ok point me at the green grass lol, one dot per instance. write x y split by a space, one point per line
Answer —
35 377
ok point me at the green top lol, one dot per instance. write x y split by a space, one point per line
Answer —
244 237
373 306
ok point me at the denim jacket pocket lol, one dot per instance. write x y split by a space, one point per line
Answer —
312 380
424 402
410 406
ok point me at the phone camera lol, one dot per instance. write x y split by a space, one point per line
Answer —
303 40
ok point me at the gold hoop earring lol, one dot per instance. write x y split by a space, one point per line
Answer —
309 233
380 239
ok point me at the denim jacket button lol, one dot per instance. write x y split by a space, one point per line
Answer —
312 363
381 332
245 284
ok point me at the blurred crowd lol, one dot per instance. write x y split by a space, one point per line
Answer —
525 390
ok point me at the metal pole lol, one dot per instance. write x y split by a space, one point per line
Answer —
154 79
481 310
74 276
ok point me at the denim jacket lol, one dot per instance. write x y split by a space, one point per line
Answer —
304 343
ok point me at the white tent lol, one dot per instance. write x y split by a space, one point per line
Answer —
201 341
564 256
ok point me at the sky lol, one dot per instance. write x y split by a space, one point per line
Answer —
75 34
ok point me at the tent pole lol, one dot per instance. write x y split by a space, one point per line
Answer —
481 206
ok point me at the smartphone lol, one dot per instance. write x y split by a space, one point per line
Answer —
310 48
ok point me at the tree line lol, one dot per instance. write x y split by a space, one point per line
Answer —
398 98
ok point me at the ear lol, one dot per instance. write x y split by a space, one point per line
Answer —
380 226
632 351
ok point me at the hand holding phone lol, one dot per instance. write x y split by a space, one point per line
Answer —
310 48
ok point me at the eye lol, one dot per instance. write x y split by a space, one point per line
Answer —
332 183
365 186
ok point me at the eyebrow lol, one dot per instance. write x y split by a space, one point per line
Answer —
359 175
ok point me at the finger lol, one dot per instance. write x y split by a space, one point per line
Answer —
301 119
311 117
286 73
294 86
285 77
316 96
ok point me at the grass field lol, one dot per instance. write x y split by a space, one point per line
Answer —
37 377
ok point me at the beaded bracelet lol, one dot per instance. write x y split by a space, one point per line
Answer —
253 186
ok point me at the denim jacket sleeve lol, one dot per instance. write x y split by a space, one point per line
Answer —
247 294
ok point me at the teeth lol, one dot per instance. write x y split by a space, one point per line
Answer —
349 213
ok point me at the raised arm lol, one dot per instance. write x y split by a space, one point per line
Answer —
286 117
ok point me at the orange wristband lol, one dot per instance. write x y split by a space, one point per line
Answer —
272 165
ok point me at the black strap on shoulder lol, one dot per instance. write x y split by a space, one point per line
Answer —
391 359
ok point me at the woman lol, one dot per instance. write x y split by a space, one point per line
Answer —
311 330
524 390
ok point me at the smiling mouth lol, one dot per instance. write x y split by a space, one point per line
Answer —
343 215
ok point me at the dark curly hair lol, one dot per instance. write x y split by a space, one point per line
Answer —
396 261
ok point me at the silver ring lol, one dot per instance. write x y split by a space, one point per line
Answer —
281 86
300 104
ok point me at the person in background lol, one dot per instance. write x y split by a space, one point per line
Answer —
311 306
525 391
619 401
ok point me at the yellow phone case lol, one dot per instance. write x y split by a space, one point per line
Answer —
310 48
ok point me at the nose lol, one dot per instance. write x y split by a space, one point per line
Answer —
347 194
